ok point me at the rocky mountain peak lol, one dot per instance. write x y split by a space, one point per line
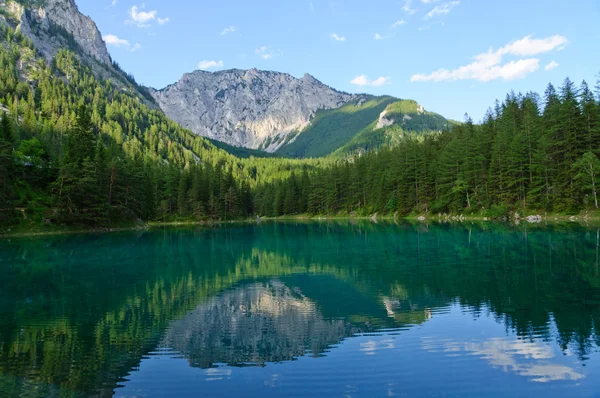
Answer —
251 108
42 20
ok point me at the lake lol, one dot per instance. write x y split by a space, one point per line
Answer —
303 309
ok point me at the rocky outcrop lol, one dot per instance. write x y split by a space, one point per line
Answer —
250 108
384 121
43 24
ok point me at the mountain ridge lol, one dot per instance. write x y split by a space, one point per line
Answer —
252 108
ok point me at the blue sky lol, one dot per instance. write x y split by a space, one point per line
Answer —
453 56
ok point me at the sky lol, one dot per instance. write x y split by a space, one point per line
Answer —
452 56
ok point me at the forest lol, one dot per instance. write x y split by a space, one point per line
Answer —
529 154
78 151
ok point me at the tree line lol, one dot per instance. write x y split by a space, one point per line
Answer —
77 150
529 154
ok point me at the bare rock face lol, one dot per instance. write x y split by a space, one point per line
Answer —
250 108
42 24
383 121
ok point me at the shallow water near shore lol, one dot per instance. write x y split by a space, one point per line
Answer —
303 309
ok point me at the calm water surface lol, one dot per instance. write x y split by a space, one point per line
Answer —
308 309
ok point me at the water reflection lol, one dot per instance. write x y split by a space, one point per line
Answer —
82 315
254 324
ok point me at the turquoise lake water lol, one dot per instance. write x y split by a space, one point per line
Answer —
303 309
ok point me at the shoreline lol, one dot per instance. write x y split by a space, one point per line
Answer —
582 219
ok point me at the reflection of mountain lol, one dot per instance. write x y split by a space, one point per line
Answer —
254 324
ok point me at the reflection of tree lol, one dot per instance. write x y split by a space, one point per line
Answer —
79 312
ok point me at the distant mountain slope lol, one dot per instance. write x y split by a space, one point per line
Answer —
399 119
250 108
366 123
332 129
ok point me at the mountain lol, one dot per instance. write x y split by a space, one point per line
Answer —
365 123
52 25
264 111
250 108
275 112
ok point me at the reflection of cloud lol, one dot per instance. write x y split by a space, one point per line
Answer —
217 374
371 347
551 372
524 358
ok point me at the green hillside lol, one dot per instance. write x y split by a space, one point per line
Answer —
334 128
408 118
354 127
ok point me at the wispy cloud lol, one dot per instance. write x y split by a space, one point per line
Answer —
337 37
488 66
442 9
363 80
163 21
205 65
398 23
264 52
377 36
551 65
407 7
228 30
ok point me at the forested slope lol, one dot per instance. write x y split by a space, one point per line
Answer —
528 154
76 150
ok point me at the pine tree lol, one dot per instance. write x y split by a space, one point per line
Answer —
7 171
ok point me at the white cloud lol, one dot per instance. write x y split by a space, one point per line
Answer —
205 65
377 36
337 37
551 65
142 18
488 66
442 9
114 2
113 40
429 1
380 81
228 30
398 23
363 80
265 52
528 46
407 7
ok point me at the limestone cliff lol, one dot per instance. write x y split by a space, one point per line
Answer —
250 108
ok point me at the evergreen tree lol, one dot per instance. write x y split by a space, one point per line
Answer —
7 171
